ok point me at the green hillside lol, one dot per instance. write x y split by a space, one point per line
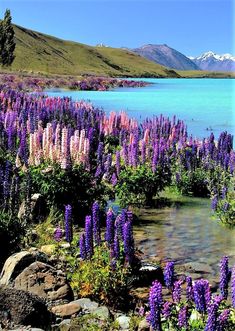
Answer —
38 52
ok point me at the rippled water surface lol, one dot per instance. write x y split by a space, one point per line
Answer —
204 104
187 235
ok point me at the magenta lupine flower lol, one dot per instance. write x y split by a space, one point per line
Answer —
89 237
167 309
224 277
82 246
169 274
223 320
183 317
155 303
201 291
129 248
96 222
109 235
233 286
176 293
68 224
189 288
58 234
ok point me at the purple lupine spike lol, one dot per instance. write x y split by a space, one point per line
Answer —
96 222
167 309
233 286
223 320
189 288
68 224
224 277
129 248
89 237
58 234
211 324
114 179
183 317
82 246
155 303
109 235
176 293
201 291
169 274
118 165
116 245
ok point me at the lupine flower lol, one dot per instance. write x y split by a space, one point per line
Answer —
82 246
129 248
223 320
68 223
58 234
169 274
211 324
109 235
167 309
155 303
96 222
89 236
183 317
201 290
214 203
224 277
233 287
116 245
189 288
176 293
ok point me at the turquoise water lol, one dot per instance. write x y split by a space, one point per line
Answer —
204 104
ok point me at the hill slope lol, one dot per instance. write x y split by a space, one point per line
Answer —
46 54
166 56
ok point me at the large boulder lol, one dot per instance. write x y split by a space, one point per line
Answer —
45 281
38 208
23 308
17 262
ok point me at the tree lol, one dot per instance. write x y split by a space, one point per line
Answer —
7 42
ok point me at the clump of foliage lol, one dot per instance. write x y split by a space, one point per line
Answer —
138 186
75 186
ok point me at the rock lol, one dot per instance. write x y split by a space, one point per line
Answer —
87 304
102 312
38 208
123 321
197 267
16 263
66 310
65 325
45 281
143 325
23 308
148 273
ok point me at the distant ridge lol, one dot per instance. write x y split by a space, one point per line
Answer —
214 62
166 56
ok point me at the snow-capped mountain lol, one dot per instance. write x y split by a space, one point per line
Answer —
214 62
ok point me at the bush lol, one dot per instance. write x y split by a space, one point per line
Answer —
75 186
138 186
193 183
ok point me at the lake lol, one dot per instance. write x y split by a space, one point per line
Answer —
204 104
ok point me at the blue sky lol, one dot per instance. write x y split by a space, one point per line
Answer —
190 26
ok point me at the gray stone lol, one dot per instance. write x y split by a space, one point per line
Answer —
123 321
37 208
16 263
45 281
87 304
102 312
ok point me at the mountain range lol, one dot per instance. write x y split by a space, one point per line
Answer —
214 62
171 58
